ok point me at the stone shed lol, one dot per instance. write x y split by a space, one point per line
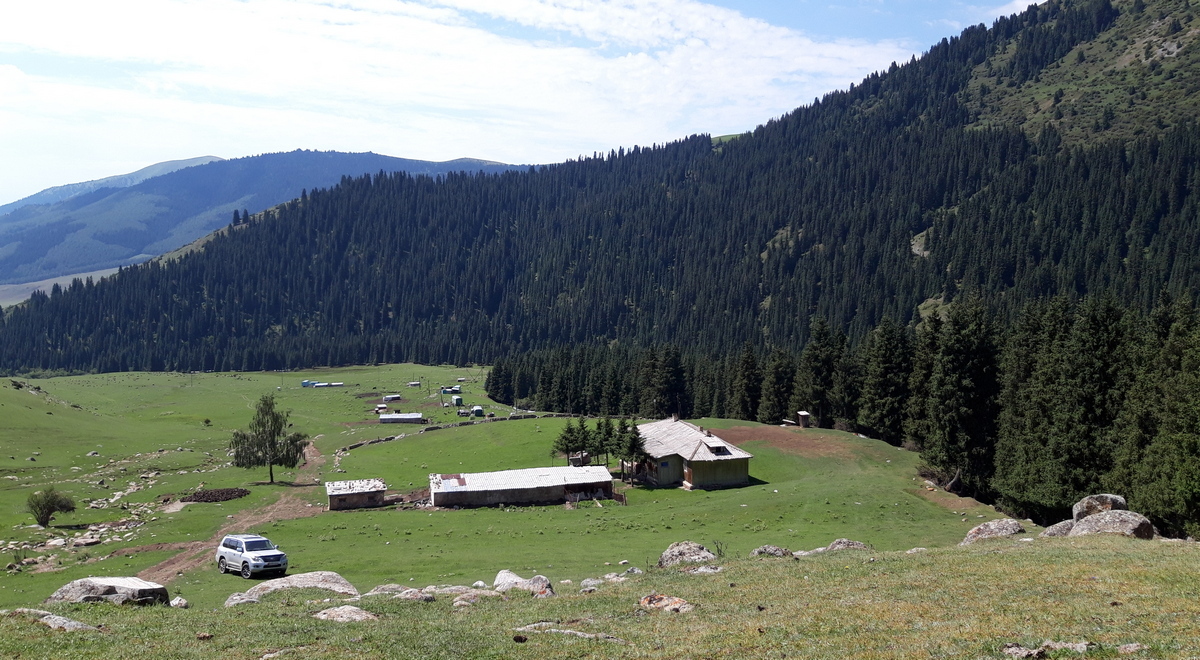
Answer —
545 485
356 494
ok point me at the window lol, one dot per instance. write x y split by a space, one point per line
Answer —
665 464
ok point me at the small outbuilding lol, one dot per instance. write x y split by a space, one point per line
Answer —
401 418
356 494
544 485
683 453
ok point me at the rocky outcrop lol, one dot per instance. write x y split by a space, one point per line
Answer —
538 585
666 603
52 621
846 544
993 529
118 590
314 580
707 569
239 598
1058 529
685 552
1093 504
345 614
1115 521
770 551
414 595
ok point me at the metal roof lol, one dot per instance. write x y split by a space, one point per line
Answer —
355 486
514 479
399 416
670 437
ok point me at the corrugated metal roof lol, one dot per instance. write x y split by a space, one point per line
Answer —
514 479
399 416
669 436
355 486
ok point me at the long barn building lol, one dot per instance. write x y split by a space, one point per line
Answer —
544 485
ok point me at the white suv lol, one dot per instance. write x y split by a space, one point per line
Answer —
249 554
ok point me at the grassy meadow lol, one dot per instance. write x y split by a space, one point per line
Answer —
167 434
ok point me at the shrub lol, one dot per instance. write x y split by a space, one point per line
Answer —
43 504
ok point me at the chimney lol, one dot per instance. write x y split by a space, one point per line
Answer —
674 417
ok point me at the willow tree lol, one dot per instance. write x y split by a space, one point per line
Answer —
268 442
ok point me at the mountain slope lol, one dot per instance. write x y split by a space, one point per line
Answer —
108 227
61 193
862 205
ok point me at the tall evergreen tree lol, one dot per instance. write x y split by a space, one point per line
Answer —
886 366
813 388
778 378
747 386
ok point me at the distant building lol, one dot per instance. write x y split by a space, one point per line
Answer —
545 485
401 418
391 397
683 453
357 494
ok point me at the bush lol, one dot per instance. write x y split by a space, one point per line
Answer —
43 504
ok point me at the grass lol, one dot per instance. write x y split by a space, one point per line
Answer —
808 488
945 603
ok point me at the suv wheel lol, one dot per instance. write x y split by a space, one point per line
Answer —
246 570
221 567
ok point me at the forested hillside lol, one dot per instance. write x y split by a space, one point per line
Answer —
788 246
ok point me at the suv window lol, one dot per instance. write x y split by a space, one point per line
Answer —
252 546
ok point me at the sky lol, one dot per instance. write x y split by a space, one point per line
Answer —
93 89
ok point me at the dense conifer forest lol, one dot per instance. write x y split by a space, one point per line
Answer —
782 269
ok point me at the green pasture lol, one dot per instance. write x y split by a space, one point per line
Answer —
173 430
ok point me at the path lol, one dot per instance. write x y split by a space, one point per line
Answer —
196 554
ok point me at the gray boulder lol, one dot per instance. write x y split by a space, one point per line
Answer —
1127 523
239 599
685 552
117 590
538 585
589 583
994 529
846 544
414 595
634 570
1058 529
345 614
1093 504
180 602
315 580
770 551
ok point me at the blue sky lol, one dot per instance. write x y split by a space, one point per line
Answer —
91 89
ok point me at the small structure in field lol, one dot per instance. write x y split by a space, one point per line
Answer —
477 411
684 453
414 383
544 485
356 494
803 419
456 400
391 397
401 418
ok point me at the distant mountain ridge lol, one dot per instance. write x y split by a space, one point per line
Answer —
112 226
62 193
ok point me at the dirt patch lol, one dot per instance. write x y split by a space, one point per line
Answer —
810 443
195 554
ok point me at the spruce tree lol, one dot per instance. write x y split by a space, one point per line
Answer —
886 365
813 387
747 386
778 378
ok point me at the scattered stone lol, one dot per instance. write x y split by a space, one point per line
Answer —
414 594
56 622
993 529
1129 649
914 551
1058 529
666 603
204 636
56 543
591 583
548 627
179 602
84 541
846 544
707 569
685 552
1093 504
588 590
634 570
565 582
93 453
538 585
623 562
384 589
345 614
117 590
239 599
1015 650
314 580
1114 521
480 584
770 550
1078 647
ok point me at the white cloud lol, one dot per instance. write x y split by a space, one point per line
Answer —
434 79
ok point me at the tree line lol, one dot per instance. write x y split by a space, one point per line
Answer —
1069 399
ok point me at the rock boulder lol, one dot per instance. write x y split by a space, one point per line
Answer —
1058 529
685 552
1093 504
315 580
770 551
1114 521
538 585
118 590
993 529
846 544
345 614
